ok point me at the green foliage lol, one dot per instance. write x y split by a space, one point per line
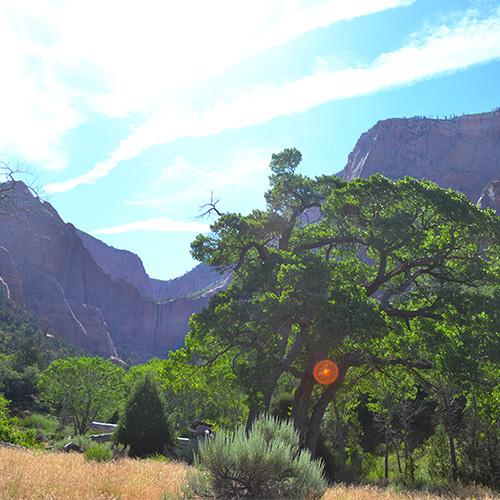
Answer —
25 351
265 463
144 424
87 388
369 273
47 427
10 431
438 457
100 453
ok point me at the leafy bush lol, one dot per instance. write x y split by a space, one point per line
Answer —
9 430
99 453
46 427
265 463
439 464
144 423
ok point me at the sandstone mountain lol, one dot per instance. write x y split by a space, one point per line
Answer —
461 153
92 294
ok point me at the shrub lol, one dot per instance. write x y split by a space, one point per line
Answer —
144 423
99 453
46 427
265 463
439 463
9 430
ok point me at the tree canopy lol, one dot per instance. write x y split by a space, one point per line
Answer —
362 273
87 388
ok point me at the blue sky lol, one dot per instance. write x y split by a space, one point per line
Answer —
130 114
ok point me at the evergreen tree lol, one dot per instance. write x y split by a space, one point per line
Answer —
144 424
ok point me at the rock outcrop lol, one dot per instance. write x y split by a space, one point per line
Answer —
46 268
118 263
461 153
200 280
122 264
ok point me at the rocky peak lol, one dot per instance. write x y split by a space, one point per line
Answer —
461 153
119 264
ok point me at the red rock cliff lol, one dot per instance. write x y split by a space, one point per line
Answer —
461 153
45 268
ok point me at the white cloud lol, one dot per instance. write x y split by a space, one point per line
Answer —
445 50
67 59
232 174
36 107
164 224
299 22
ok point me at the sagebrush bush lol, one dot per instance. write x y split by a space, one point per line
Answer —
47 427
265 463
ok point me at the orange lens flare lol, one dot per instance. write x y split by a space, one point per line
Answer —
326 372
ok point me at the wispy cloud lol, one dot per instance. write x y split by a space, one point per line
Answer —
164 224
67 60
237 173
446 49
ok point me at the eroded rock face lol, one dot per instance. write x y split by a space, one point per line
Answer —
122 264
490 196
118 263
201 278
48 270
461 153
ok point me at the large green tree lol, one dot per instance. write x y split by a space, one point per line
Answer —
87 388
145 423
343 271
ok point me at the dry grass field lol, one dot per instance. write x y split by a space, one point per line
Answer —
341 492
28 475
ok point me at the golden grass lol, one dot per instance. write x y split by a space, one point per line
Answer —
38 475
28 475
341 492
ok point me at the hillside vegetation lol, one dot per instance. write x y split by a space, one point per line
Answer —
25 351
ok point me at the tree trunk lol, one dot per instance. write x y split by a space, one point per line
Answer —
252 415
256 409
474 436
301 402
321 406
386 457
448 417
340 431
453 456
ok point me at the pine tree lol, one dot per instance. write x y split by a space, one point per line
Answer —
144 423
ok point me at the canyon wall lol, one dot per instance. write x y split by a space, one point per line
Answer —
461 153
46 268
101 298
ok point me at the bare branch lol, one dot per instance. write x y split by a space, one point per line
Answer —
211 208
9 177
